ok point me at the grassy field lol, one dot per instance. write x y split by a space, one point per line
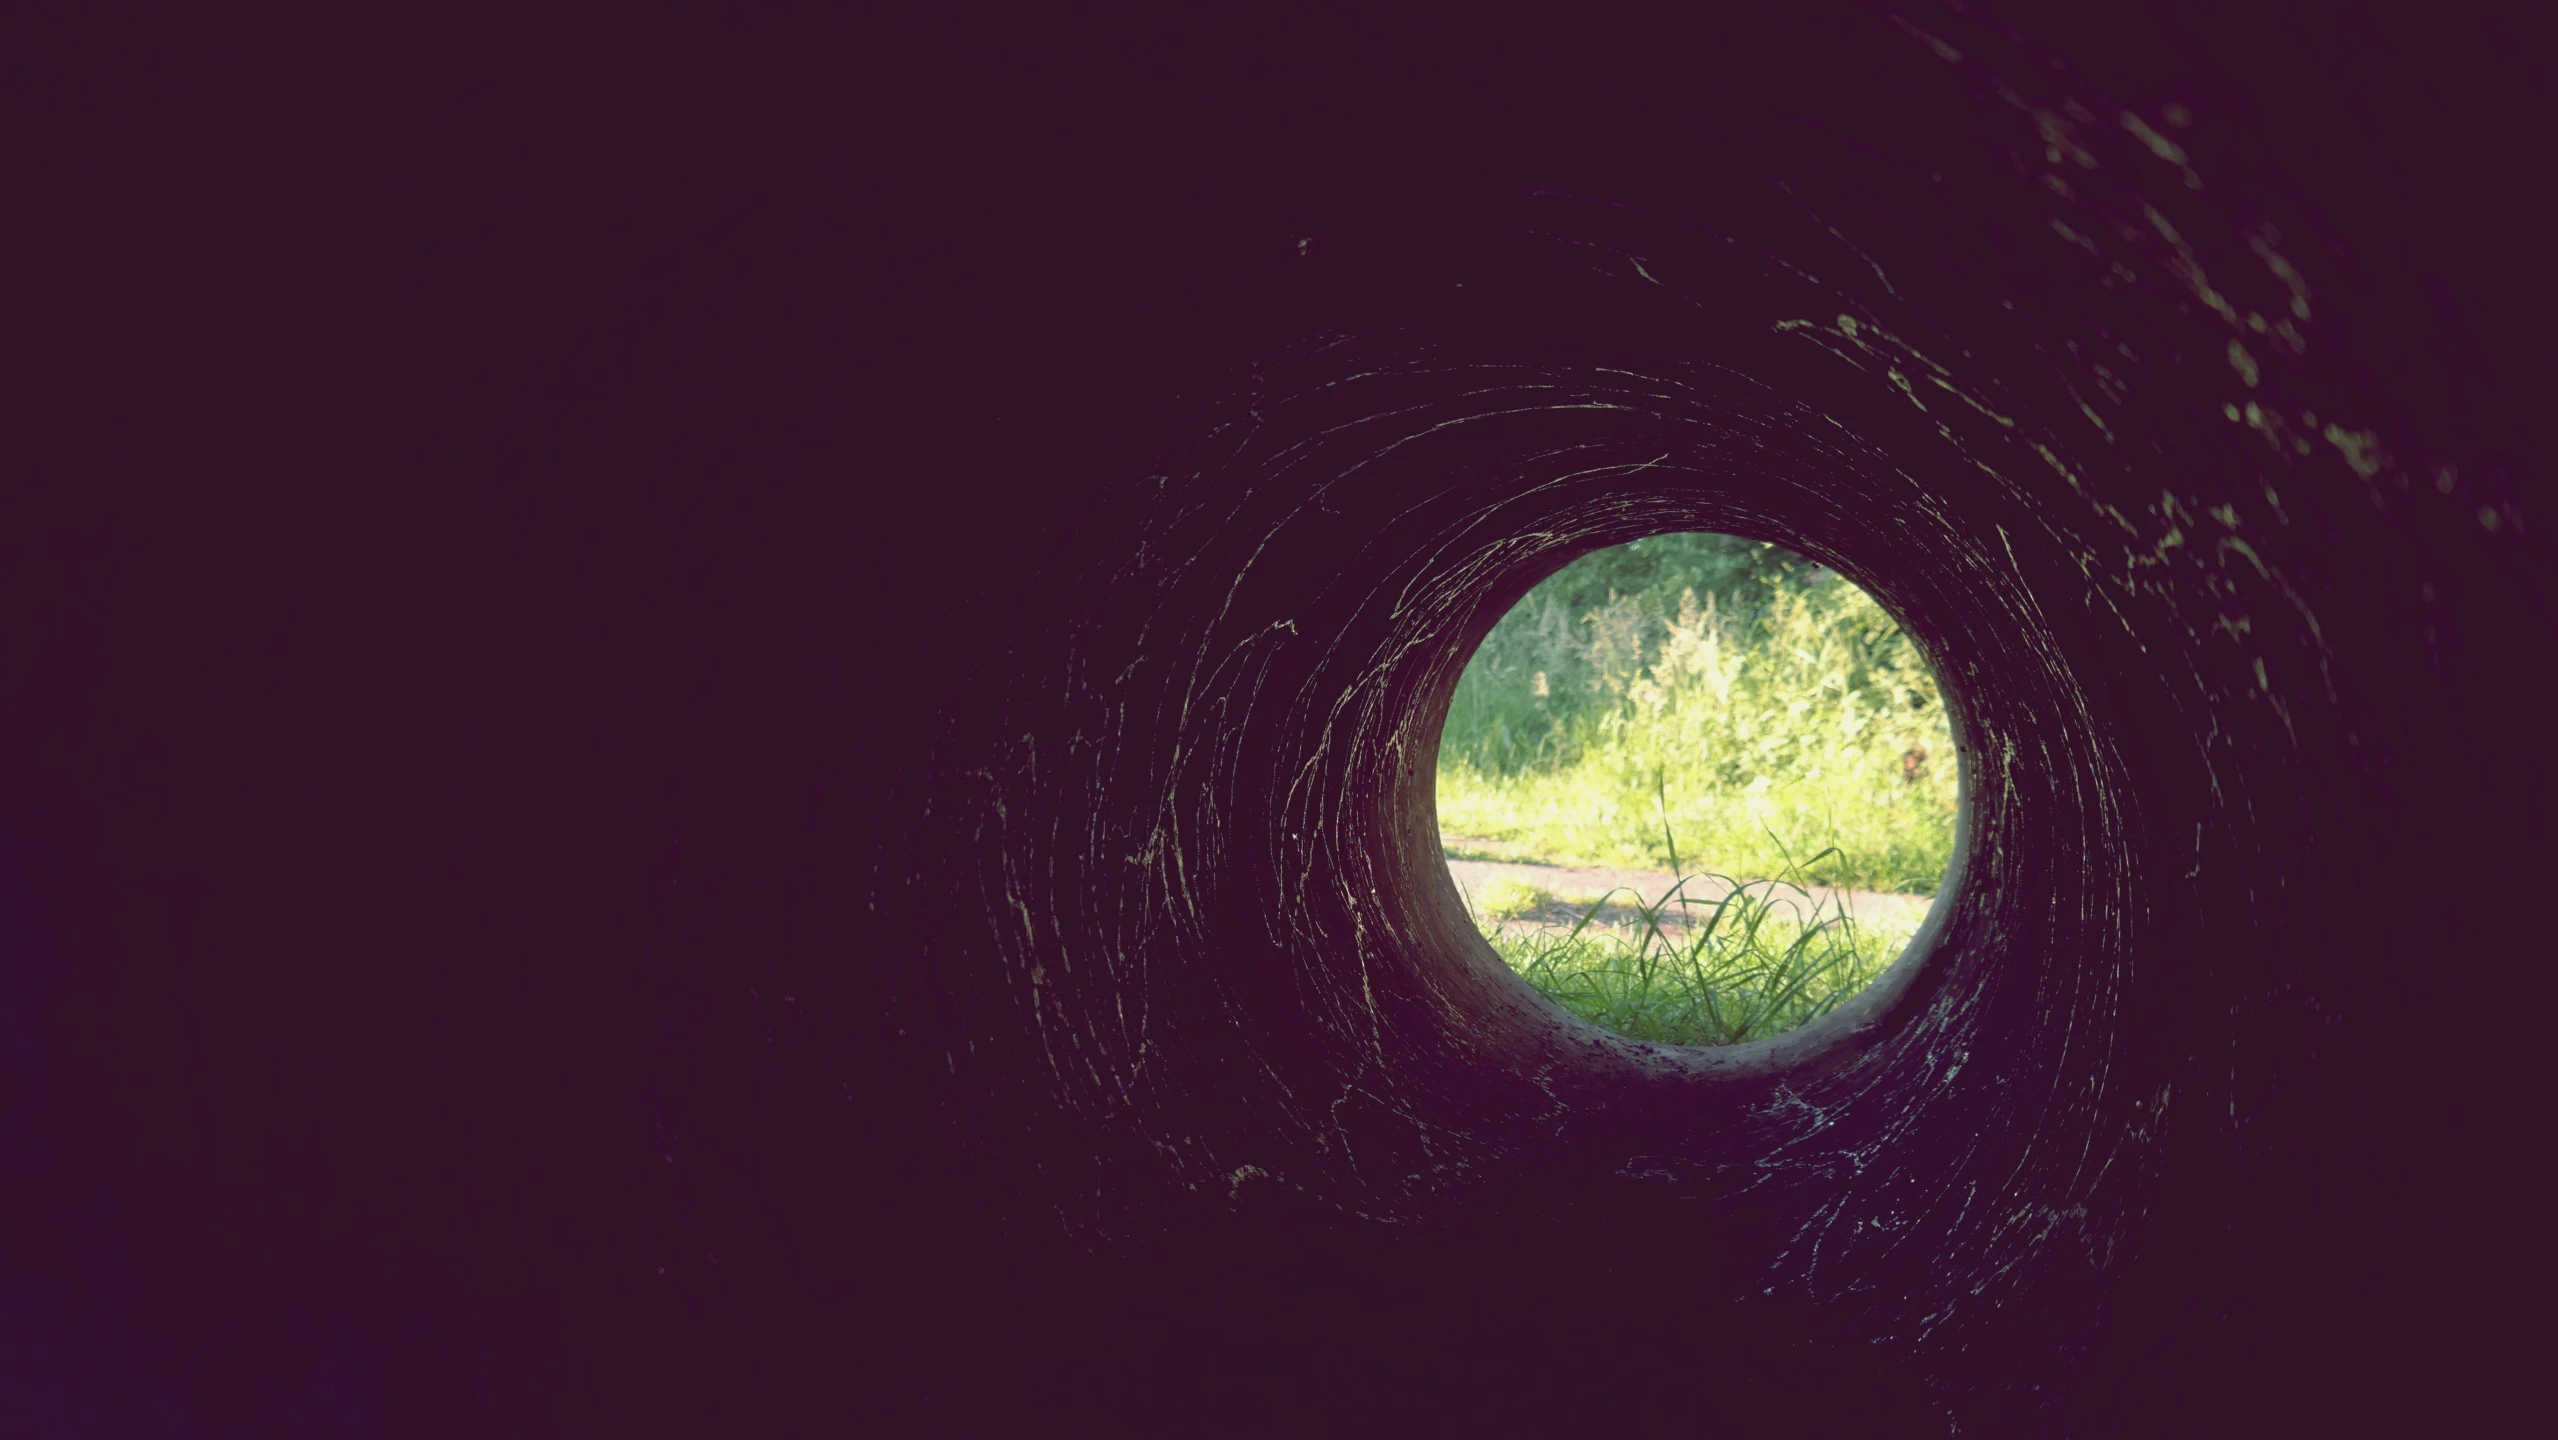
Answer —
1759 959
1703 704
1730 693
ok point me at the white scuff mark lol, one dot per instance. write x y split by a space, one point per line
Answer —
1944 52
2244 364
2361 449
2165 149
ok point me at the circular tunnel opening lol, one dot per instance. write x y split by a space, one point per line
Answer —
1698 789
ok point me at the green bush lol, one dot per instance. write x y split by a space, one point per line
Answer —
1503 899
1753 703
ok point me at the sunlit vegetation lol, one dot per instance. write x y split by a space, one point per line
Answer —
1753 960
1700 705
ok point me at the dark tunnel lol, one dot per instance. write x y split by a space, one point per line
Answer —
724 725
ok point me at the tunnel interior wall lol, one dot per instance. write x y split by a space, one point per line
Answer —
744 738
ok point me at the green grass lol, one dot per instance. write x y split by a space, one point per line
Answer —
1786 703
1721 695
1759 959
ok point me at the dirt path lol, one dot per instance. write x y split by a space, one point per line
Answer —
1574 887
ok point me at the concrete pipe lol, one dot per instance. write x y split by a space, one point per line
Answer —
728 728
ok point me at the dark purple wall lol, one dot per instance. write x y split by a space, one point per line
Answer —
723 727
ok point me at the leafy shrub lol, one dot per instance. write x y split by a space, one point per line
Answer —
1504 898
1741 696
